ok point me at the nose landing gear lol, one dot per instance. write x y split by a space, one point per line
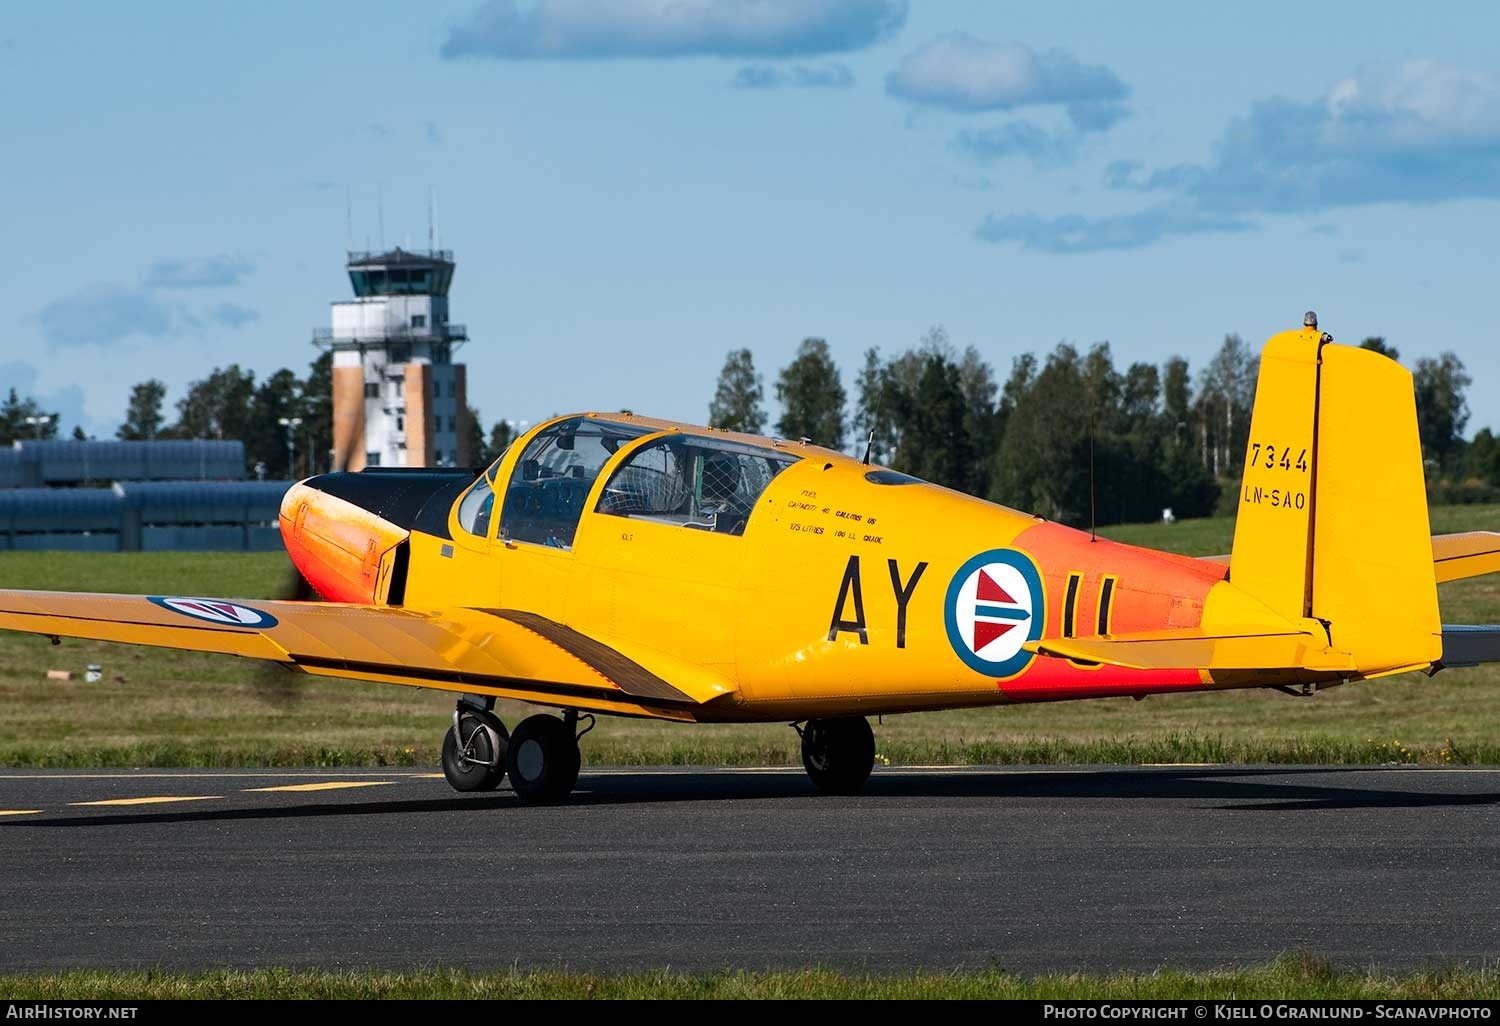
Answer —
838 754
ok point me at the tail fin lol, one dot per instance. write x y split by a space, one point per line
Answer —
1333 521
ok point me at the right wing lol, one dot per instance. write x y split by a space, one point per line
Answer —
502 652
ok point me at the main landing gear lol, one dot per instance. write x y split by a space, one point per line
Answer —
838 754
543 758
541 755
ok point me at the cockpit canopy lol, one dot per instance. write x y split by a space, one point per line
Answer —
705 483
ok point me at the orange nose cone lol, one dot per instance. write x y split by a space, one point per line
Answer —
338 546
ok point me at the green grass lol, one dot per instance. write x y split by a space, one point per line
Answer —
1214 535
164 708
1290 977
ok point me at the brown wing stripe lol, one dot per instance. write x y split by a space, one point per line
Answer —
633 678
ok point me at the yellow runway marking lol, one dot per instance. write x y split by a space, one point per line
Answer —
19 812
327 785
155 800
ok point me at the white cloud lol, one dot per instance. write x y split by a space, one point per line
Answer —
583 29
105 314
1412 132
200 273
969 75
1017 138
766 76
1412 105
1075 233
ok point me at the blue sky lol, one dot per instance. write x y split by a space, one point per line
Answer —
635 187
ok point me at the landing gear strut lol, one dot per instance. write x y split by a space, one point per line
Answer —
543 757
838 754
474 748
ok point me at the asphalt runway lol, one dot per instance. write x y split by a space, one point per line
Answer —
1026 870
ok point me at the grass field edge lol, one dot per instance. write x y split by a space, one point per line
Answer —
1218 749
1295 975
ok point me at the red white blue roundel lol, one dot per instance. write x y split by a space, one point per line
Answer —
994 606
219 611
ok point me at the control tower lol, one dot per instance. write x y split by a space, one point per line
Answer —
399 400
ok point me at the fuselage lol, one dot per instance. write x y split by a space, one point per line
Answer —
814 584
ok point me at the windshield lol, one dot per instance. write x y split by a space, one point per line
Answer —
551 480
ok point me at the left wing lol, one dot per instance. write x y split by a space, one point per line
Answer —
503 652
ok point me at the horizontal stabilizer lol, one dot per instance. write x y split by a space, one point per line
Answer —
1465 645
1456 556
1193 648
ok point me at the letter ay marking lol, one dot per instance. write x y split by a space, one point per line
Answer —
851 587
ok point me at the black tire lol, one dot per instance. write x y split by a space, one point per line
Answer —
467 767
543 759
838 754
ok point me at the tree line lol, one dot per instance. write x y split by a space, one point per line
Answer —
1156 437
230 403
1069 435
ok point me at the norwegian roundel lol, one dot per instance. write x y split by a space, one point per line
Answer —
218 611
994 606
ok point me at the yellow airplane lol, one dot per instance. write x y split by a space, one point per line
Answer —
615 564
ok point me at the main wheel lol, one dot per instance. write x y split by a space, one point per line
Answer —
838 754
475 760
543 759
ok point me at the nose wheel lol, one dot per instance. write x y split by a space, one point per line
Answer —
474 750
838 754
